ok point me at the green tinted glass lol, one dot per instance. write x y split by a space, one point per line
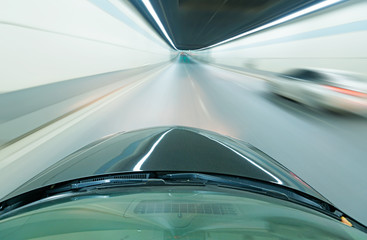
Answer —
175 215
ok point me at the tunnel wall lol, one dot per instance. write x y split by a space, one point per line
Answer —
45 41
333 38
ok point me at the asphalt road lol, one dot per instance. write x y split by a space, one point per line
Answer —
326 150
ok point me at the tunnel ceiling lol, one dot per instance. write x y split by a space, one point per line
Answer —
195 24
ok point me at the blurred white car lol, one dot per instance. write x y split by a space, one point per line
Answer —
322 89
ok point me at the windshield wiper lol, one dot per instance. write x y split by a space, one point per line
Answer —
117 181
269 189
84 186
107 182
93 185
220 181
160 179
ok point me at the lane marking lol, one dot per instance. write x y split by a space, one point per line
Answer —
201 103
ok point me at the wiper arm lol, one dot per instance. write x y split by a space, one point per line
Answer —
116 182
167 179
252 186
86 184
211 179
113 182
269 189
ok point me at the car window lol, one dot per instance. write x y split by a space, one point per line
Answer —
308 75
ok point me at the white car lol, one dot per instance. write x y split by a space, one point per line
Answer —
322 89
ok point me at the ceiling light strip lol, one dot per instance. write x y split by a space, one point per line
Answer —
302 12
152 12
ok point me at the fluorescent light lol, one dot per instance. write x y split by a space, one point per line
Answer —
158 21
302 12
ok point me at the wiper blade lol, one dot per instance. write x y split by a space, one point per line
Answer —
115 182
167 179
268 189
92 185
210 179
85 185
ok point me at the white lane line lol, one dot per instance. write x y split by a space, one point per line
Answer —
202 105
197 94
25 145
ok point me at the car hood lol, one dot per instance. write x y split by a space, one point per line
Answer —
171 149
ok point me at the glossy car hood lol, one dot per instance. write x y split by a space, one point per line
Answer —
179 149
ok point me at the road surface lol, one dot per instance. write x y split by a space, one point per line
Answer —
328 151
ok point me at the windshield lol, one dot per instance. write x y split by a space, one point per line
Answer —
307 75
172 213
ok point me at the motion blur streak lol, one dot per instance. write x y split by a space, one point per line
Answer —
59 57
156 19
347 91
317 146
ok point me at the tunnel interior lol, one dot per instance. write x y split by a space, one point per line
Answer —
194 24
73 72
